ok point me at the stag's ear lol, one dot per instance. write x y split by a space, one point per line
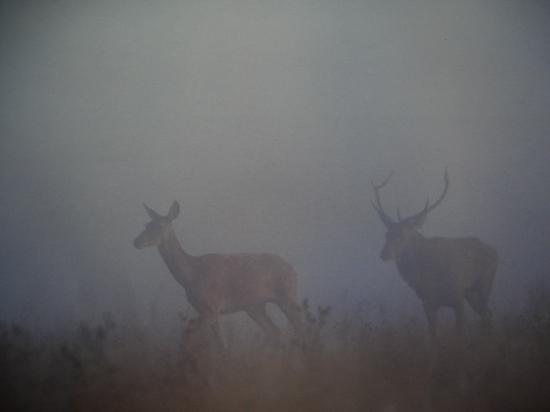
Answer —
174 211
419 220
152 214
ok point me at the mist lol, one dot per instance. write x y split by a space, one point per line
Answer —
267 121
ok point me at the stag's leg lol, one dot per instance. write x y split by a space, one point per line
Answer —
431 315
478 295
259 315
462 381
459 320
478 302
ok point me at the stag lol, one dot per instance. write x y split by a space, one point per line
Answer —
217 284
444 272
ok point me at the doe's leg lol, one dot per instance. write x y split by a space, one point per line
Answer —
259 315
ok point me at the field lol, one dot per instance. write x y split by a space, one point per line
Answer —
345 364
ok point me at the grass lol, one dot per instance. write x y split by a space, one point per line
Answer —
344 364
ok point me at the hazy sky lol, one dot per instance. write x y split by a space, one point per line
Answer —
267 120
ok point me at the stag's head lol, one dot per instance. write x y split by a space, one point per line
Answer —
158 228
402 232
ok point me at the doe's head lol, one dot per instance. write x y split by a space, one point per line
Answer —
158 228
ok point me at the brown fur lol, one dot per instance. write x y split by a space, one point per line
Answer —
217 284
442 271
448 271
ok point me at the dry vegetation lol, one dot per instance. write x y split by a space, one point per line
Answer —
345 364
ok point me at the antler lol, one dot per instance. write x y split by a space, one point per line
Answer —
378 205
428 208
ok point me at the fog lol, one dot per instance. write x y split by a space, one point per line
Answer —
267 121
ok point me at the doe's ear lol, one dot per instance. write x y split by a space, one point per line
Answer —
152 214
174 210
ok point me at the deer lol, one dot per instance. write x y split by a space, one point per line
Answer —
442 271
218 284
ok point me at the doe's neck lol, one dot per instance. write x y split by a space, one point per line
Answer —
176 259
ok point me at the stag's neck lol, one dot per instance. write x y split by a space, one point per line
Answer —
178 262
409 263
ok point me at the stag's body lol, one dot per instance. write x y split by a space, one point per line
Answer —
443 272
446 271
218 284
